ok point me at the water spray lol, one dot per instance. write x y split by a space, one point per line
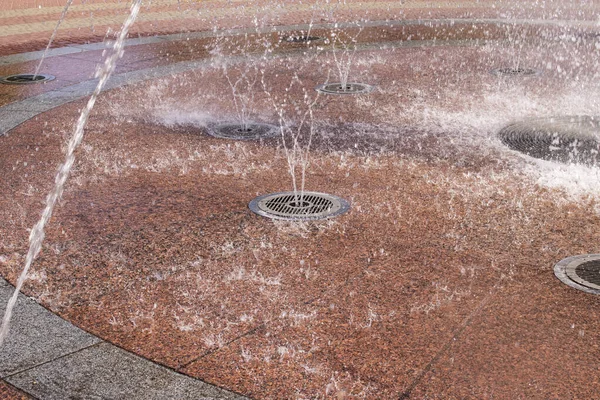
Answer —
37 234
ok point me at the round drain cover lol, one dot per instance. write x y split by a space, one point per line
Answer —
251 131
580 272
301 39
574 139
519 71
26 79
348 88
299 206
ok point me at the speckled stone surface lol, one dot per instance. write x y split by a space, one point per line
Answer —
36 336
437 284
105 371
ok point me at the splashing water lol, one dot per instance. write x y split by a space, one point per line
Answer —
242 81
60 20
297 153
344 60
37 233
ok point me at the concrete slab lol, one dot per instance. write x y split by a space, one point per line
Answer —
37 336
106 372
40 103
78 90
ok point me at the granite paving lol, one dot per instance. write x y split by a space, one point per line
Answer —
156 281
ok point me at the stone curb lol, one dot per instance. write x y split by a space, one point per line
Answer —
49 358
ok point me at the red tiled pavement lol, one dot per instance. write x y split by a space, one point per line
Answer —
27 25
437 284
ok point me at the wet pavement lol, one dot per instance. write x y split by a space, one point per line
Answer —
437 284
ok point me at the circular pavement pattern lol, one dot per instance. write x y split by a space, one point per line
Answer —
389 350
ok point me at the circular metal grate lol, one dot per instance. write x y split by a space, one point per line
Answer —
580 272
574 139
251 131
299 206
301 39
26 79
348 88
519 71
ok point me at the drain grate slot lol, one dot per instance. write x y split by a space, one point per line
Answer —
348 88
301 39
298 206
26 79
518 71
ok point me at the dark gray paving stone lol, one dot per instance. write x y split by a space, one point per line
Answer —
80 89
14 114
37 55
36 335
31 104
107 372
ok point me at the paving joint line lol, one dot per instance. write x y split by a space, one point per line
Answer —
6 377
213 351
464 325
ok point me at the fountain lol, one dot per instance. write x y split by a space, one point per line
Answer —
467 189
36 77
343 49
36 237
243 82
